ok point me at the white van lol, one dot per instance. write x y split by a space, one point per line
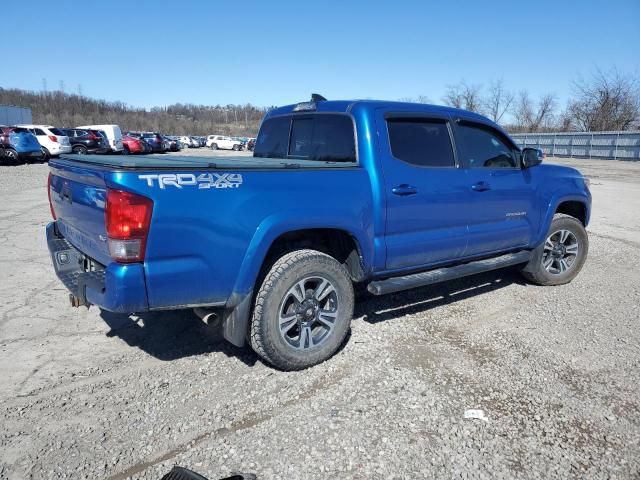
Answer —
114 135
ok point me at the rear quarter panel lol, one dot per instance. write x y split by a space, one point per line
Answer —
205 244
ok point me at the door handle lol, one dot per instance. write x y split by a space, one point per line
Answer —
404 190
481 187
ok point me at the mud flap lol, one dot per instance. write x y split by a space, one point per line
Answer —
235 319
536 258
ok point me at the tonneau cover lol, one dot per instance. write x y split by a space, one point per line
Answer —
182 161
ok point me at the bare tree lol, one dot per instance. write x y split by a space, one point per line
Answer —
464 96
498 101
532 117
607 101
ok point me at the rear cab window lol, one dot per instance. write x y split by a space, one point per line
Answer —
322 136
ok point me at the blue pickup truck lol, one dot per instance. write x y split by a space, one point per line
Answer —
338 195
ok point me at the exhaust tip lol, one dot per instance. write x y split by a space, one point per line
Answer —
207 315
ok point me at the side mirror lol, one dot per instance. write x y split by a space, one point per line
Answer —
531 157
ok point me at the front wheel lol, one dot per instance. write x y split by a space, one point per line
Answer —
214 146
561 257
302 312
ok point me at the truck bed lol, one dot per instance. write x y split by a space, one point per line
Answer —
145 162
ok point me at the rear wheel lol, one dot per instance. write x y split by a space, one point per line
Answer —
214 146
79 150
11 156
302 311
125 150
46 155
561 257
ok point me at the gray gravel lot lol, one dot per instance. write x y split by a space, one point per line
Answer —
556 370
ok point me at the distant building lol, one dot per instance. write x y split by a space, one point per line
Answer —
11 115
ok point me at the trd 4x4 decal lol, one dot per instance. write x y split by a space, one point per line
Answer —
203 180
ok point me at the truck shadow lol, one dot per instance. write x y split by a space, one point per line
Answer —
379 309
175 334
172 334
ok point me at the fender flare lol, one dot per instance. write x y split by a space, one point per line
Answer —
553 205
235 318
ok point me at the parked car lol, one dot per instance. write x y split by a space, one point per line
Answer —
223 142
251 144
134 145
52 140
113 133
403 207
171 144
154 139
17 143
84 141
187 141
196 142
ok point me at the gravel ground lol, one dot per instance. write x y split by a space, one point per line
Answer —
556 371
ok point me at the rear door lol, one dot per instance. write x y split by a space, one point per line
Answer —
424 189
500 192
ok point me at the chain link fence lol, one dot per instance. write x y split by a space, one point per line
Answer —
604 145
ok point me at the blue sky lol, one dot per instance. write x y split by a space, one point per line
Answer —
148 53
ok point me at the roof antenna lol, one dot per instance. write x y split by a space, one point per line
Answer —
317 98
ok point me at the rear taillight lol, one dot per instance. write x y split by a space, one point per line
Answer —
53 138
127 217
53 212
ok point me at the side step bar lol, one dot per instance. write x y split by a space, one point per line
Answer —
395 284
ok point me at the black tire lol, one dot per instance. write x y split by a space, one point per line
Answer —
552 253
80 150
10 156
214 146
46 155
125 150
235 148
302 267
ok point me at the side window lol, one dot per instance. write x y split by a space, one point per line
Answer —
482 147
273 139
421 142
38 131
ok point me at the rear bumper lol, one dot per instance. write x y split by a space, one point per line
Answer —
29 153
57 149
117 288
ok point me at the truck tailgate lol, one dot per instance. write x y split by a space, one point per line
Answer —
78 196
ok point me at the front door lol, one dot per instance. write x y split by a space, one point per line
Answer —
500 193
424 188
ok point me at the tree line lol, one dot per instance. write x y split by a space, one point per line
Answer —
607 100
70 110
604 101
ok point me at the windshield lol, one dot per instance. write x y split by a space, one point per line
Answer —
324 137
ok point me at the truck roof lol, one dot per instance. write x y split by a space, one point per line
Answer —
346 106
